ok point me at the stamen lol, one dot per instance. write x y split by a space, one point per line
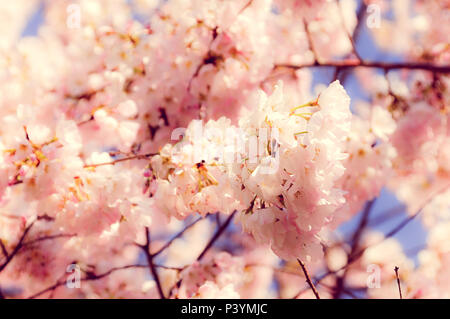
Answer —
309 104
304 115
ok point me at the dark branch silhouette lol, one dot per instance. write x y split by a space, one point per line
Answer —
17 248
308 279
167 244
216 236
146 248
398 282
349 64
89 277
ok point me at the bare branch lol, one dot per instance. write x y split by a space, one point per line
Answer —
308 279
210 244
394 231
340 281
348 64
216 236
2 246
361 227
149 256
398 282
167 244
89 277
17 248
50 237
135 157
351 36
310 41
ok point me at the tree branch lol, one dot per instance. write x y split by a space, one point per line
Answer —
308 279
351 36
391 233
149 256
167 244
17 248
89 277
4 251
216 236
353 39
398 282
340 281
139 157
208 246
50 237
348 64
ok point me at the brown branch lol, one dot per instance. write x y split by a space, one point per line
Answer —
169 267
4 251
135 157
167 244
216 236
308 279
89 277
361 227
50 237
350 36
398 282
210 57
384 216
391 233
149 256
221 229
340 281
353 39
360 17
348 64
248 4
310 41
17 248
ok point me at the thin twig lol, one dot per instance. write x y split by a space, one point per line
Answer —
347 64
135 157
310 41
394 231
308 279
149 256
216 236
167 244
340 282
349 36
361 227
342 76
398 282
17 248
89 277
208 246
384 216
2 246
50 237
